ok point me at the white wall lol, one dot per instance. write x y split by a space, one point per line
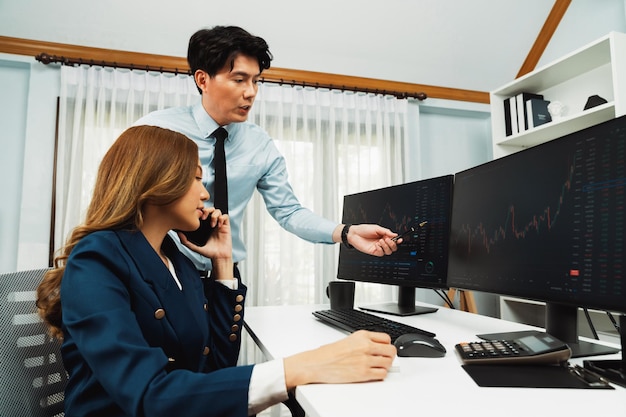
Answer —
28 120
13 83
584 22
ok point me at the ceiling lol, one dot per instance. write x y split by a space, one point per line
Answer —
474 45
466 44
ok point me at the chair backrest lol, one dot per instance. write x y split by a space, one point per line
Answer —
32 377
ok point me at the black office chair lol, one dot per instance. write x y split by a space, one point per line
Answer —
32 377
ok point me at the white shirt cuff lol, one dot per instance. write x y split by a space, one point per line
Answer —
233 284
267 386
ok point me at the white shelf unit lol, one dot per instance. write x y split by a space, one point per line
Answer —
596 69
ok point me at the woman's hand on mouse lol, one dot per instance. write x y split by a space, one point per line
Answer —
362 356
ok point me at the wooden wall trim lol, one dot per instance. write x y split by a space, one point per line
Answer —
547 31
19 46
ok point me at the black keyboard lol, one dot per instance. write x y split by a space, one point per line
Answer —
353 320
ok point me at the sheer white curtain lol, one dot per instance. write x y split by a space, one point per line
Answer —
335 143
96 105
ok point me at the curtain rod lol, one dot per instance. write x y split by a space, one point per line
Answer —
31 47
46 59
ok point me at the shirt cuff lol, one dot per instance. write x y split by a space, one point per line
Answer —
267 386
233 284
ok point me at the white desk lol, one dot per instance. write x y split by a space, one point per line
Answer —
420 386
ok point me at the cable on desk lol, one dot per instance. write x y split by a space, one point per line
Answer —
591 326
619 332
445 298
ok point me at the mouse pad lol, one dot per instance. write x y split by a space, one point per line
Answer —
525 376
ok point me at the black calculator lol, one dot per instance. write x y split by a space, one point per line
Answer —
535 349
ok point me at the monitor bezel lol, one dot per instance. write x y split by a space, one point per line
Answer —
561 317
406 296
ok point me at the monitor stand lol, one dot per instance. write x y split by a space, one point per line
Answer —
562 323
405 306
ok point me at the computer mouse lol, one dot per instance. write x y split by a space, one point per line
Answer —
419 346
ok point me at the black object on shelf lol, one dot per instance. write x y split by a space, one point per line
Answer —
593 101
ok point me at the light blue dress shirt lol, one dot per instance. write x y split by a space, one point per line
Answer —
252 161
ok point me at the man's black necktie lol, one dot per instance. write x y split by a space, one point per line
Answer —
220 190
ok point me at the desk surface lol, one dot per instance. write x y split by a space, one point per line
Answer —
419 386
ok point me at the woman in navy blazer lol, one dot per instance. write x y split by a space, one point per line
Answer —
142 334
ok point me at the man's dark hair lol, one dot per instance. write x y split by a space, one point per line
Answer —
210 49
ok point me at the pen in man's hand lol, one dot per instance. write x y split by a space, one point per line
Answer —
409 231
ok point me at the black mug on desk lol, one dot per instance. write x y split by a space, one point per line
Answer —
341 294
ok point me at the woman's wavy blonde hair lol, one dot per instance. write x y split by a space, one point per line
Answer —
146 164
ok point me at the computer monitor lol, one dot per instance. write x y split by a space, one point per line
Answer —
547 223
421 259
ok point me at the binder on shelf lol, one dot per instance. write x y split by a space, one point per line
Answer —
537 112
508 129
510 114
522 119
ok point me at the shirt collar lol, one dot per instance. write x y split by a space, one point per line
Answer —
205 123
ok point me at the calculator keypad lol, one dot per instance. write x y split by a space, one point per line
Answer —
544 349
489 349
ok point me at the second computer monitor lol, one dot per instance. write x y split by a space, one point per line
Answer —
422 258
547 223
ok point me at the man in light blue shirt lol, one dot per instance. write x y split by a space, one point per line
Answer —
226 63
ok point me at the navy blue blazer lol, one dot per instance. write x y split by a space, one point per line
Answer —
136 345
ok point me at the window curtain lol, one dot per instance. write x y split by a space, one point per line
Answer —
96 105
334 142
